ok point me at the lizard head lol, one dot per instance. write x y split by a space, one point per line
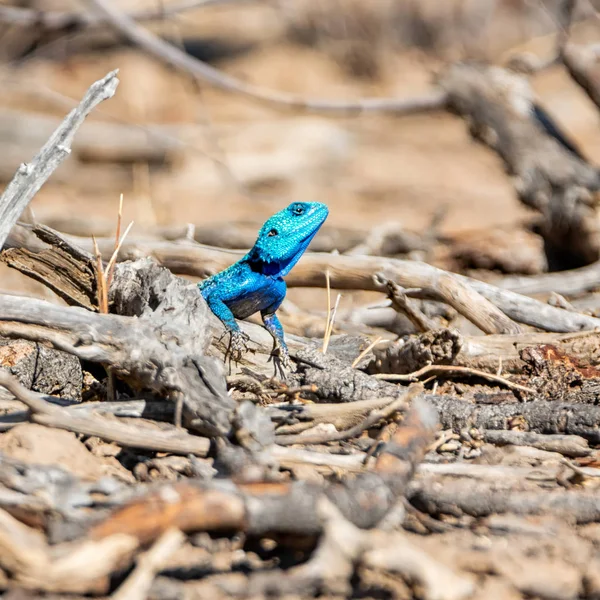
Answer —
285 236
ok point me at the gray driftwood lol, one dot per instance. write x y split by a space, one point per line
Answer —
149 352
468 296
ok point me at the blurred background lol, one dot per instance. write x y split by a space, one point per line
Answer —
182 152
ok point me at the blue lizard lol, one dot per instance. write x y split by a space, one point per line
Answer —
255 283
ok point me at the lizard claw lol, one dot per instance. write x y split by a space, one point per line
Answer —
238 344
281 359
284 357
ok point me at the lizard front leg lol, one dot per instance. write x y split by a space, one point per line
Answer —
273 326
238 340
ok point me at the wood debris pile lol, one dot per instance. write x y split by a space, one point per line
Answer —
442 447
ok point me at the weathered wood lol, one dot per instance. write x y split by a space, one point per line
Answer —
146 352
539 416
42 369
355 272
43 413
489 353
549 176
346 272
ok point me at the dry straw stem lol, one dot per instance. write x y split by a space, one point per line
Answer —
101 285
172 55
30 177
366 351
117 238
328 318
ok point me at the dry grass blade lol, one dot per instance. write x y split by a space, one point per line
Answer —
328 317
110 269
330 323
366 351
101 285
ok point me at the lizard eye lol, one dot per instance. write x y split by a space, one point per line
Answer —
298 210
272 232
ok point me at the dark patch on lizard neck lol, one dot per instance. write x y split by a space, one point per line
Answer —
271 269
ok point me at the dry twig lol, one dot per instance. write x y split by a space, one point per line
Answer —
454 370
174 56
30 177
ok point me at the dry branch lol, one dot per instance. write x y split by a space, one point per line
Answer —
346 272
30 177
353 272
488 353
550 176
568 445
56 20
43 413
147 353
356 272
172 55
539 416
571 282
481 498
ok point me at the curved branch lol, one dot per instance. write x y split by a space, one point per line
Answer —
172 55
56 20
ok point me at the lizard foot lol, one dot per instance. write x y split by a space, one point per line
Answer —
238 344
284 357
281 360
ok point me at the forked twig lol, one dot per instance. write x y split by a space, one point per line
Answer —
454 370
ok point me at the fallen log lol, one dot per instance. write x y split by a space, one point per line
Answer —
549 176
